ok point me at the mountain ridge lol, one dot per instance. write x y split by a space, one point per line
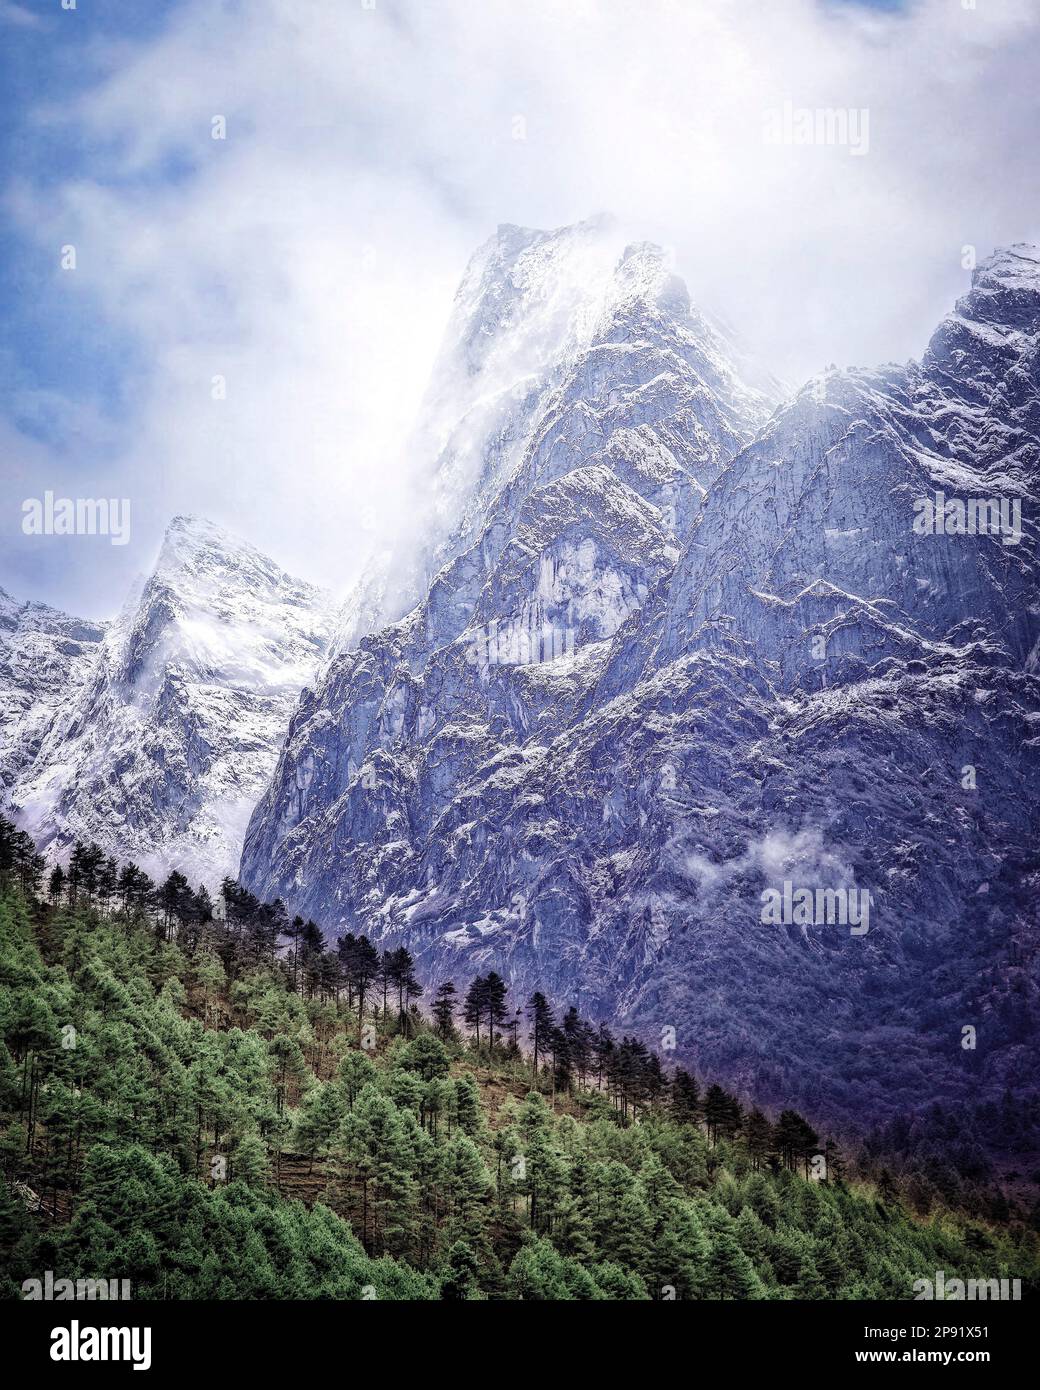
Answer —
674 641
599 823
160 753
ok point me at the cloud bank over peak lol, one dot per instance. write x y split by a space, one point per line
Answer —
268 303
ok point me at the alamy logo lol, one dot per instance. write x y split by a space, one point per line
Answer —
48 1288
76 1343
975 516
967 1290
819 125
817 907
525 641
77 516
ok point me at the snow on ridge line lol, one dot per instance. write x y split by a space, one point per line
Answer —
162 753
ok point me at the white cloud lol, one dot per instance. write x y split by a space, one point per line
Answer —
310 257
801 856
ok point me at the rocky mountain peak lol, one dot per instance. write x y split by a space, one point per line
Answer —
676 652
162 751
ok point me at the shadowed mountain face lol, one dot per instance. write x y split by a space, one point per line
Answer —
678 655
591 459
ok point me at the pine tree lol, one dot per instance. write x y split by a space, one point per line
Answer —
835 1161
115 1136
540 1017
603 1053
294 935
716 1111
574 1232
312 948
173 899
108 883
467 1104
356 1071
730 1274
383 978
428 1056
290 1066
579 1037
794 1140
210 977
460 1279
377 1139
888 1192
249 1163
400 975
474 1006
544 1180
494 998
361 967
758 1137
318 1121
468 1185
56 884
443 1010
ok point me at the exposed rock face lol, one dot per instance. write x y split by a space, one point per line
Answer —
554 345
812 530
677 653
162 752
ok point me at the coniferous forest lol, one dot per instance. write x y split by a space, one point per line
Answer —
213 1101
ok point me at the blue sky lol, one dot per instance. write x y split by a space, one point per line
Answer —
48 58
310 258
61 361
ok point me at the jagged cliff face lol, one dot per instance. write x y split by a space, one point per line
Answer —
161 754
812 531
595 460
680 651
559 342
45 655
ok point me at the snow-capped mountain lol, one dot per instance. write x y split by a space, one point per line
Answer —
678 652
580 482
540 343
45 656
160 756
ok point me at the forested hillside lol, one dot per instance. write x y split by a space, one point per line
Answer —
224 1106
